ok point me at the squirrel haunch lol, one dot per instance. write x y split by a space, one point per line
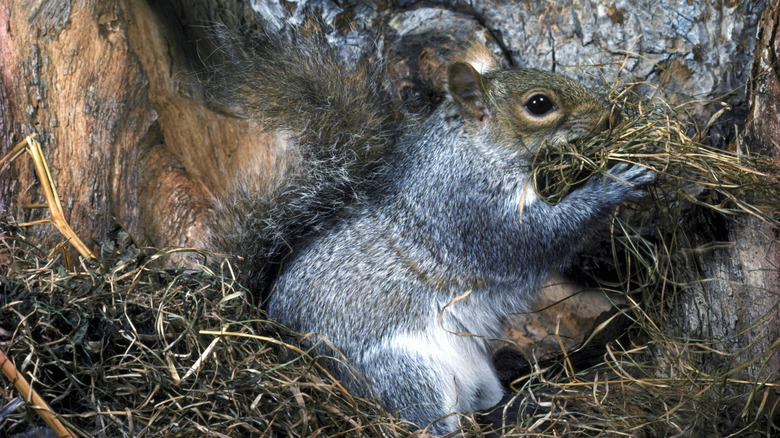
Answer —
391 240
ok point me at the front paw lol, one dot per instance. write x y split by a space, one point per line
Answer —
625 181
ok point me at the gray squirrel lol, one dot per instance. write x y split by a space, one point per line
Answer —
406 244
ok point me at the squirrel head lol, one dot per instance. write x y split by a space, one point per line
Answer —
526 108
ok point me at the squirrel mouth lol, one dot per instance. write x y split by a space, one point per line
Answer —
560 167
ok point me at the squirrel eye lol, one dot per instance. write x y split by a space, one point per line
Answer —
539 104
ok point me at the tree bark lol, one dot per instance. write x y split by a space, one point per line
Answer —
68 76
741 308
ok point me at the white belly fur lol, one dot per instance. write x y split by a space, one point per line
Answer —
468 379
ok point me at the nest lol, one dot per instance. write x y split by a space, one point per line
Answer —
122 347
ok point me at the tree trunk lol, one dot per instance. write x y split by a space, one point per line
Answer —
742 308
732 299
107 88
70 76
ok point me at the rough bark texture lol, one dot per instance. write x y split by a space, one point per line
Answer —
68 76
742 307
107 87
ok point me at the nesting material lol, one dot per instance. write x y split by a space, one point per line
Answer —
125 349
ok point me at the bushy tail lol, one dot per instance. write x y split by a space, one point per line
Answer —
339 121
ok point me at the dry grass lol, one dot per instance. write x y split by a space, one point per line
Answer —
125 348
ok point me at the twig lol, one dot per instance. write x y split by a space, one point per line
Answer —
32 398
195 367
49 192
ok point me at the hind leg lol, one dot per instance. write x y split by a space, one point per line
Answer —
410 387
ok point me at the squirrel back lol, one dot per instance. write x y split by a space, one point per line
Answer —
406 247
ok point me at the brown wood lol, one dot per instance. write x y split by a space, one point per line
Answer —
53 204
739 304
68 75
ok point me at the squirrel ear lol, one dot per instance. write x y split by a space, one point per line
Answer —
480 58
466 87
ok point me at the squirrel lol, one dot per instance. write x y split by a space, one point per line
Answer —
406 244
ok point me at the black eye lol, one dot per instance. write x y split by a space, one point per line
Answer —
539 104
